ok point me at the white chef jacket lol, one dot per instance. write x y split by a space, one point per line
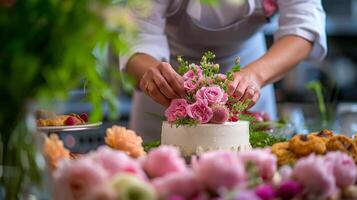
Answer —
189 28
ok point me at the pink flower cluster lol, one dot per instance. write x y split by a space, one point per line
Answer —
163 174
207 102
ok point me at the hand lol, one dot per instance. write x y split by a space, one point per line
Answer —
245 86
162 84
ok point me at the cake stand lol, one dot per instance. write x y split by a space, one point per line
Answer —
82 127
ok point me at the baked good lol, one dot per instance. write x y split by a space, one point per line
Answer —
303 145
325 135
283 153
63 120
197 139
344 144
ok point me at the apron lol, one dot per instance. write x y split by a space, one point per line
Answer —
189 39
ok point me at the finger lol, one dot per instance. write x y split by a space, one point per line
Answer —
240 91
254 99
154 92
248 95
164 87
174 79
232 85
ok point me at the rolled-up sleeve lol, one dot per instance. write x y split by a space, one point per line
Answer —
151 38
306 19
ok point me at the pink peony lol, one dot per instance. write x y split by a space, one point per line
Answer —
115 162
220 114
77 179
194 74
285 172
220 169
263 159
288 189
265 192
200 111
315 175
176 110
183 184
190 85
344 168
213 95
246 195
163 160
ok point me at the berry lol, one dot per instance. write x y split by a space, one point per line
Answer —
70 121
84 117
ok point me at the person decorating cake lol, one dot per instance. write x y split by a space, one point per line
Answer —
189 28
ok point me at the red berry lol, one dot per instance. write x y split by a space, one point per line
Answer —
84 117
233 119
70 121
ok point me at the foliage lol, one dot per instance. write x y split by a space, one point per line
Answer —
187 121
261 139
151 145
47 49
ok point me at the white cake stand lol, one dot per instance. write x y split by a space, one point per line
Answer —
82 127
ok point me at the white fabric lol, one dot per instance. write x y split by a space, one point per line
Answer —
304 18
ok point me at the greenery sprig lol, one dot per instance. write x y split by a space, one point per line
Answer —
185 122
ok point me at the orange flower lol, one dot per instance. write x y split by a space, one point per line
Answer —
125 140
54 151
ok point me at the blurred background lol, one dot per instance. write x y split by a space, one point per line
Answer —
337 75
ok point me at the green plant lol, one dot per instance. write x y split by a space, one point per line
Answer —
47 49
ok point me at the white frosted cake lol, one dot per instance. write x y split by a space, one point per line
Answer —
206 137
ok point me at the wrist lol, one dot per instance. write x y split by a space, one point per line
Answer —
256 74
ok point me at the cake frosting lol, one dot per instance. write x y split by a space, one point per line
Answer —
206 137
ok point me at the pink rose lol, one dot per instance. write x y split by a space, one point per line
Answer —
263 159
77 179
344 168
114 162
163 160
213 95
194 74
200 111
183 184
220 169
176 110
190 85
220 114
316 176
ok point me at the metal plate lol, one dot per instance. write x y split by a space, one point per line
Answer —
82 127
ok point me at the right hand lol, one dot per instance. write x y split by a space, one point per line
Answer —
162 84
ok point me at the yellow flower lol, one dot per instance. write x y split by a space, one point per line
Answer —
125 140
54 151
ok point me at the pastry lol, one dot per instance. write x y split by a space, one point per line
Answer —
344 144
303 145
325 135
283 153
62 120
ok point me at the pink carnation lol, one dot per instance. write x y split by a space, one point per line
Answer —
163 160
176 110
200 111
316 176
220 169
115 162
77 179
344 168
193 74
190 85
212 94
221 77
220 114
263 159
179 184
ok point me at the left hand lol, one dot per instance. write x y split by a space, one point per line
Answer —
245 86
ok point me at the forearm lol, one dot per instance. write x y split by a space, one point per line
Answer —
139 64
282 57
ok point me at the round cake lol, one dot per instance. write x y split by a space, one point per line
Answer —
206 137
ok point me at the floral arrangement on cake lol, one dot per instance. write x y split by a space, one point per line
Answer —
206 100
118 172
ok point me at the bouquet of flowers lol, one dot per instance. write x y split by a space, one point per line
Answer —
206 100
